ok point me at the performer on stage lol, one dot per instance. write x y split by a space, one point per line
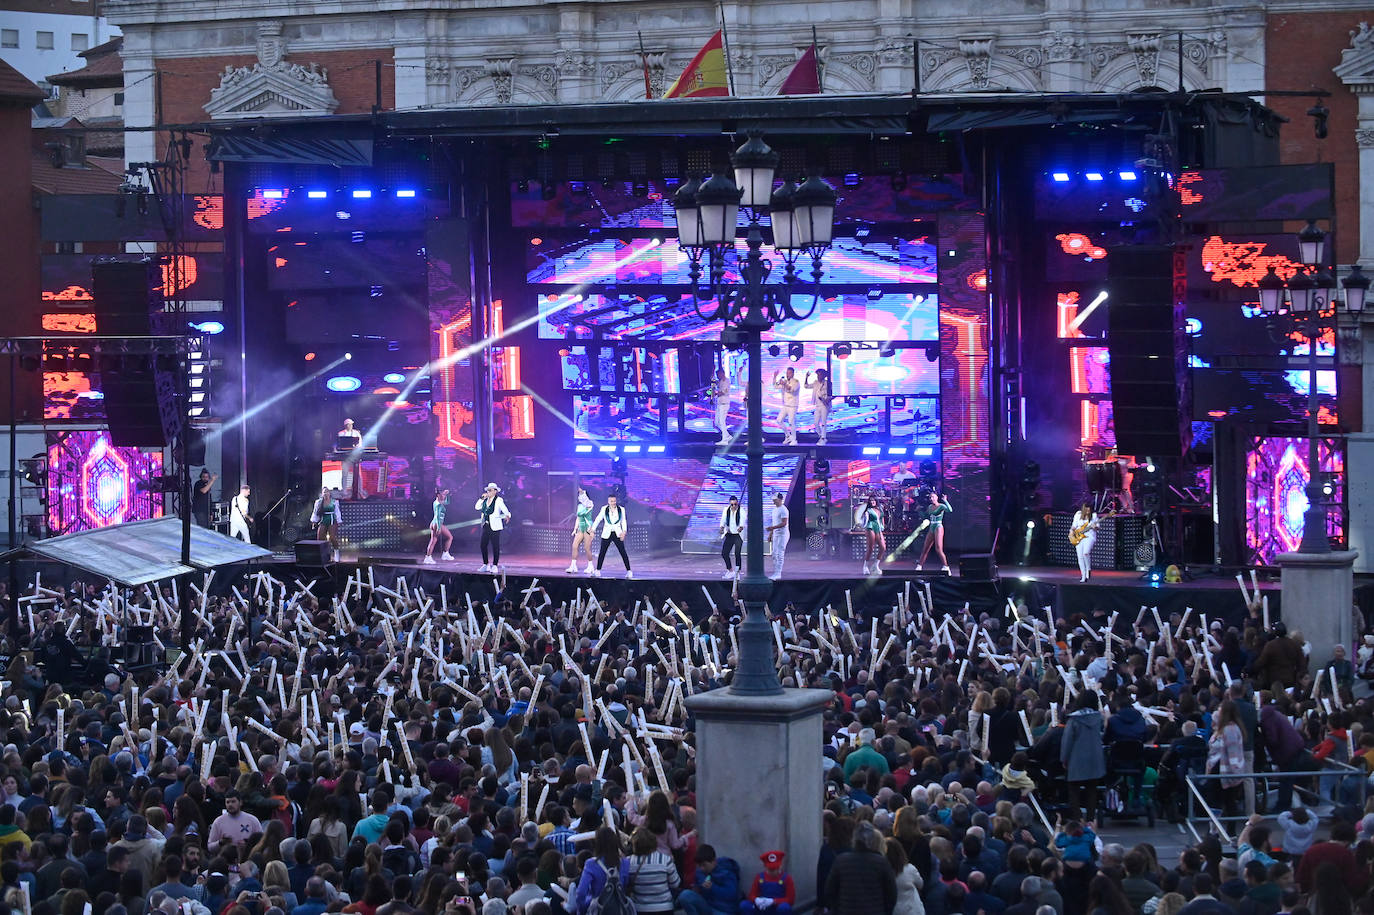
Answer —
819 385
351 482
790 386
732 529
239 519
1084 528
325 517
778 533
875 546
437 531
720 395
494 518
200 497
615 527
933 520
582 530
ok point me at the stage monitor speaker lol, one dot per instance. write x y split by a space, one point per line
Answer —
139 648
312 553
978 567
1151 413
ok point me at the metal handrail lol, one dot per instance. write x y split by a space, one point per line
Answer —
1330 767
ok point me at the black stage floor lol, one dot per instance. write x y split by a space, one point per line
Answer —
809 583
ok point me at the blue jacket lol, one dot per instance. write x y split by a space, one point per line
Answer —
722 893
593 881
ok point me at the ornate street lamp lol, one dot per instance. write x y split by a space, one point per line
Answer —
802 222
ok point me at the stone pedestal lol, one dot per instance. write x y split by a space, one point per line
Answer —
1317 591
759 780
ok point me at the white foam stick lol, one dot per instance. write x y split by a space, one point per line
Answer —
734 643
405 745
777 635
1054 714
1335 692
848 603
963 669
1226 672
543 796
1264 602
882 655
1187 612
1326 706
1254 582
625 764
208 761
586 741
1159 624
1025 726
1245 595
390 666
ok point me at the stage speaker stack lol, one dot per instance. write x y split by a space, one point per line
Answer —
1151 408
140 650
978 567
312 554
140 390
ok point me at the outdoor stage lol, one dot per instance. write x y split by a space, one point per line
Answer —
808 583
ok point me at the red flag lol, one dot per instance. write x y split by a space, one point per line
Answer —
805 78
705 76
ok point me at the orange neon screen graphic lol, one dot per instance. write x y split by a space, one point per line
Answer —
1242 263
1076 243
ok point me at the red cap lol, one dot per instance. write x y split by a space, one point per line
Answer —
772 859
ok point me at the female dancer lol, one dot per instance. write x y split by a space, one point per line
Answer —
933 515
437 531
582 530
876 545
326 519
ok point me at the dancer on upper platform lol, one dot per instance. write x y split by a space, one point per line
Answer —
732 521
875 543
933 522
615 528
494 517
720 398
582 530
790 385
819 386
437 531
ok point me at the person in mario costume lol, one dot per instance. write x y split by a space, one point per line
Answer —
772 890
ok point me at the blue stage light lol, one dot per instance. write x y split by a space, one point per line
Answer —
923 452
209 327
606 449
584 449
273 195
406 192
896 451
656 449
393 378
361 193
1126 175
343 384
317 195
1093 176
872 449
1061 177
632 449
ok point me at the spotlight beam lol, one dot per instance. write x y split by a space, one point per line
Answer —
1092 306
280 395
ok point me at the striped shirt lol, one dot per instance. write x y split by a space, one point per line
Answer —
653 878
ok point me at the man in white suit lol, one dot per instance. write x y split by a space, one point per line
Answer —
239 518
615 526
494 517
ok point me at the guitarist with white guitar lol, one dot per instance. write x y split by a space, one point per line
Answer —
1083 534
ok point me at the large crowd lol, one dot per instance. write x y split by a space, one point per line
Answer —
392 750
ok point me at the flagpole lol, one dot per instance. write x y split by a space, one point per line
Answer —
644 62
816 56
725 47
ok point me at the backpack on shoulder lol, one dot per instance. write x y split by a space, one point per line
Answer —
613 900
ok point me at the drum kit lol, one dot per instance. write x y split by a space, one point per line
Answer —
899 502
1108 476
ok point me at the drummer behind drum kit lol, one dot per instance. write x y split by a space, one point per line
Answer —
1109 481
900 504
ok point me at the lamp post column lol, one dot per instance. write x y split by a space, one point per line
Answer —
1314 538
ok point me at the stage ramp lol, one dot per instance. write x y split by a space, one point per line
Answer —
726 478
145 551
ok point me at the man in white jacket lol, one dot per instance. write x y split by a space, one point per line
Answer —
779 535
732 520
615 526
494 517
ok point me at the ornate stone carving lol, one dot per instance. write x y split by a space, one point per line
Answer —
613 72
467 77
1100 55
272 85
1061 46
932 60
772 64
741 61
866 65
1364 139
657 61
1146 49
977 54
436 71
1362 38
502 73
896 50
546 75
575 63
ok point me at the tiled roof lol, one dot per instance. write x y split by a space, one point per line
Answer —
16 90
100 175
104 68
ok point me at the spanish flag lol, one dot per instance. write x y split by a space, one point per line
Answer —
706 75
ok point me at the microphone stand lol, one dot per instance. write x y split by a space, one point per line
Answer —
267 517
